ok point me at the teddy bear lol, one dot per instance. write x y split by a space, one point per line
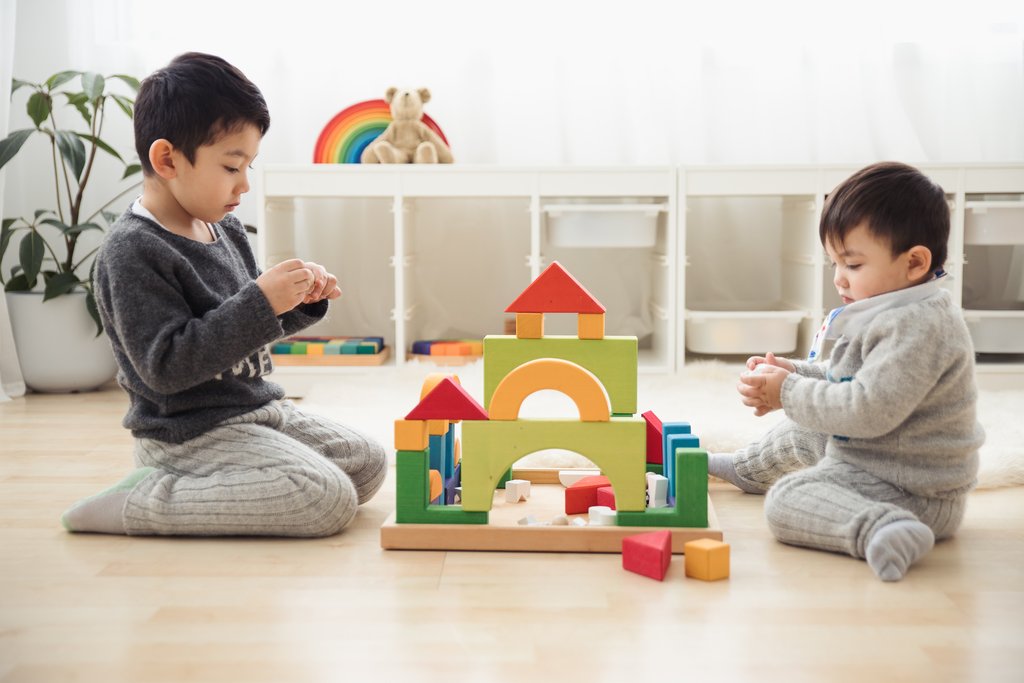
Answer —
407 139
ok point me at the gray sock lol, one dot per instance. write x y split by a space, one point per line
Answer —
896 546
721 465
104 512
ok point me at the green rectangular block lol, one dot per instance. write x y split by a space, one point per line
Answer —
298 348
613 360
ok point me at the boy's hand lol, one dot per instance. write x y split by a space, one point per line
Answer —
325 285
761 388
770 359
286 284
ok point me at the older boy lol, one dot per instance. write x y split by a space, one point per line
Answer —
881 445
189 315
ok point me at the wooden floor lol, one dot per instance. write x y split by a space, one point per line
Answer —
103 608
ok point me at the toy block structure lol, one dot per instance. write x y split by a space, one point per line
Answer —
648 554
707 559
453 453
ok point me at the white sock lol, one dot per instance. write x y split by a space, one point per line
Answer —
721 465
896 546
104 512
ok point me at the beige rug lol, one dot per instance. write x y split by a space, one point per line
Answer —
702 394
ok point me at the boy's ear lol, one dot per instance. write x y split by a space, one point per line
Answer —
919 262
161 157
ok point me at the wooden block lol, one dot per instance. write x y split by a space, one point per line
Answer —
433 379
573 380
673 443
569 477
447 400
648 554
436 486
411 435
707 559
529 325
590 326
555 291
617 447
654 438
314 349
516 490
582 495
613 360
667 430
412 490
600 515
606 497
657 491
456 452
437 427
690 508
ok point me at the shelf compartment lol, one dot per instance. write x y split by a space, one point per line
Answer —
622 225
996 331
742 332
994 222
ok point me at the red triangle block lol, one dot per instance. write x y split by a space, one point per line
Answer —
448 401
555 291
648 554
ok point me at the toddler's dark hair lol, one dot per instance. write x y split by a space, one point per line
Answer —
191 102
897 202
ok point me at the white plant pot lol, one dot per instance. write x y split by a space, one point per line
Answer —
57 344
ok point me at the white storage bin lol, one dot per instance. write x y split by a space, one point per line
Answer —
996 331
603 225
742 332
994 222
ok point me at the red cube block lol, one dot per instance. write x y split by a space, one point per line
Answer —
606 496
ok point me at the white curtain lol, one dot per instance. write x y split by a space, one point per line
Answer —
11 382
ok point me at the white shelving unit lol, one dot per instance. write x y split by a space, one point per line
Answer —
694 261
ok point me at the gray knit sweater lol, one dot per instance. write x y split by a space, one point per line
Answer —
899 399
189 326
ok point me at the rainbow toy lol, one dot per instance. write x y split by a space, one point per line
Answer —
344 138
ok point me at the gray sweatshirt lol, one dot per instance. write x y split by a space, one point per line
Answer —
189 326
899 399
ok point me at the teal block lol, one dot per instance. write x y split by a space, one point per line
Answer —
281 348
613 360
668 429
350 348
332 348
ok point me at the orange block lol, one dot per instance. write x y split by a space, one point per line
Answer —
437 427
590 326
573 380
315 349
436 485
529 325
707 559
411 435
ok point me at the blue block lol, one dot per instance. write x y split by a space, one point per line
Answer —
449 452
437 449
667 430
675 442
422 347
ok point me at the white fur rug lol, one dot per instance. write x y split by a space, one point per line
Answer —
703 394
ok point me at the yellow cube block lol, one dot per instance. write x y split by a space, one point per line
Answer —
411 435
590 326
315 349
529 325
437 427
707 559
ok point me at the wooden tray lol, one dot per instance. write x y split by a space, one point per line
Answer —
331 360
504 533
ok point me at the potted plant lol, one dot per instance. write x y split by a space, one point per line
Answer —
49 287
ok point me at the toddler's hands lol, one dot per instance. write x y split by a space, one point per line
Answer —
761 388
286 284
770 359
325 285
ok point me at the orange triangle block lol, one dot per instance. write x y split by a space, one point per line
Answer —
448 401
555 291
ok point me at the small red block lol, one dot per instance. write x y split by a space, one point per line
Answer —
648 554
583 494
606 496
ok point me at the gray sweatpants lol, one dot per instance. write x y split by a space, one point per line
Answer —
274 471
818 502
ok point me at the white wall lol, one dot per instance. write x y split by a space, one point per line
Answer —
543 82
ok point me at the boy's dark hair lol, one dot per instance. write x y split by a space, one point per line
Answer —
191 102
897 202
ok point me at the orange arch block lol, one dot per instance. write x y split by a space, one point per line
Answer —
573 380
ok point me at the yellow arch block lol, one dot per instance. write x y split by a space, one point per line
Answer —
575 381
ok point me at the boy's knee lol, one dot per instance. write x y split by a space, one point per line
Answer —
370 477
333 505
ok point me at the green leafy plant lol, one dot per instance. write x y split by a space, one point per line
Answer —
47 249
